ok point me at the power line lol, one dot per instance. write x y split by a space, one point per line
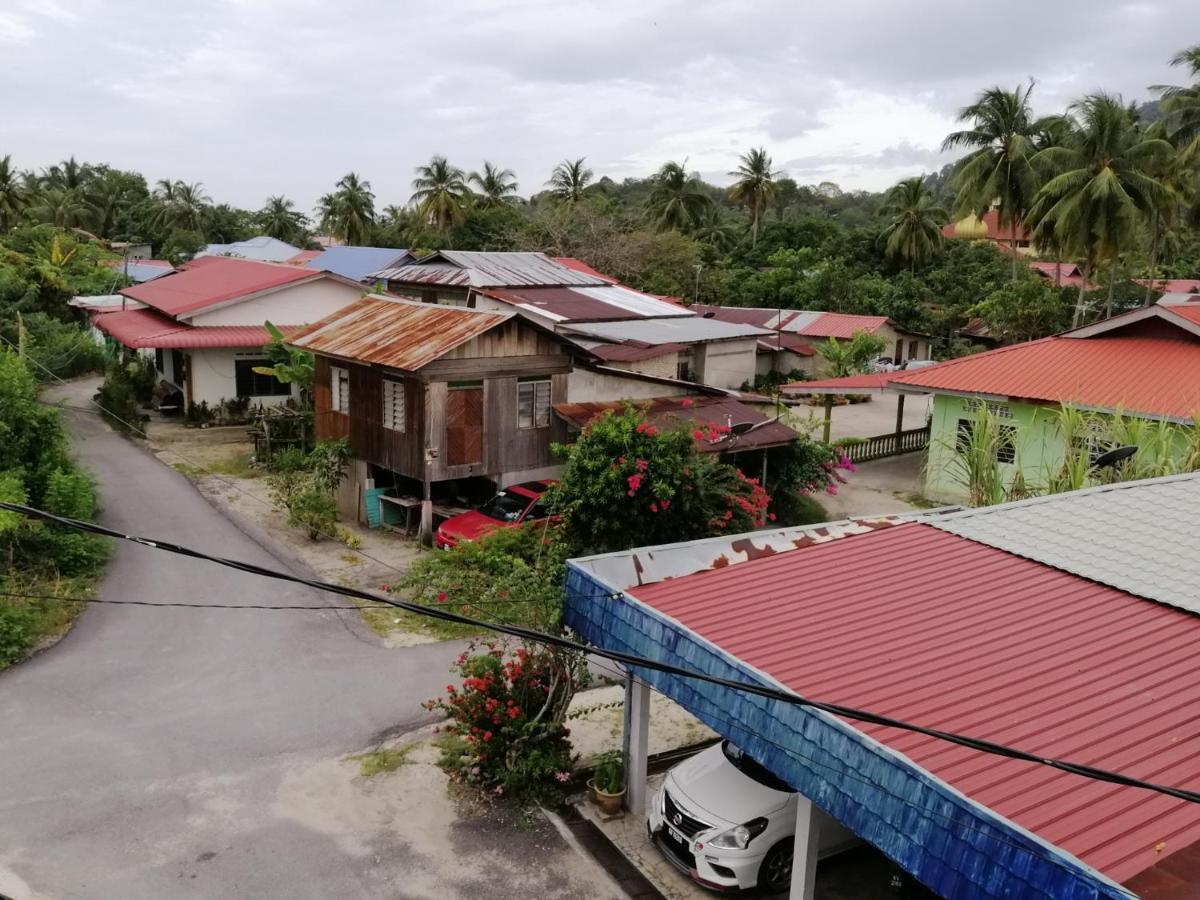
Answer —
630 659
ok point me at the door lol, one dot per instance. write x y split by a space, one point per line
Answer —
899 351
464 424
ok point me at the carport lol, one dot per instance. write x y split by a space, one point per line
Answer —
924 619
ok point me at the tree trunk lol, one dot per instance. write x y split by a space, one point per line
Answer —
1153 259
1057 266
1013 246
1077 319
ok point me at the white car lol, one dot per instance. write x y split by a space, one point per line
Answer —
728 823
919 364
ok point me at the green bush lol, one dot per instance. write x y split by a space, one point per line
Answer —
56 349
313 510
18 630
127 387
609 774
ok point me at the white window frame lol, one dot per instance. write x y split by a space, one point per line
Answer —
540 402
339 389
393 405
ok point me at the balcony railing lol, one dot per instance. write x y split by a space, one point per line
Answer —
893 443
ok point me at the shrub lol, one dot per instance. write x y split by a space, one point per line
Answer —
18 630
609 774
127 387
303 484
506 718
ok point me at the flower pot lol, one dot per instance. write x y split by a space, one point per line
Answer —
609 804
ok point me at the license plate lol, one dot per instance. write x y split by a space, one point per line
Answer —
676 836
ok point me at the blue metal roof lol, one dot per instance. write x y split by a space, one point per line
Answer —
356 263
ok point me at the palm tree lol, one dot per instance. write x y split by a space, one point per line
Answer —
190 204
1181 104
280 219
677 200
497 187
999 169
715 231
755 187
60 206
440 193
68 174
349 212
570 179
914 229
1103 185
13 196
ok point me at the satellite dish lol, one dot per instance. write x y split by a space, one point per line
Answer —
1113 456
741 427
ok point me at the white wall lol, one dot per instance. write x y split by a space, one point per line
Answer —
665 366
725 364
584 385
213 379
297 304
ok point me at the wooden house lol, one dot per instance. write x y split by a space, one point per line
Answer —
429 394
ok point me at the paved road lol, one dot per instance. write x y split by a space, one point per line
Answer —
142 757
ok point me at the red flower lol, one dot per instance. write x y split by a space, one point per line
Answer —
487 735
687 404
443 597
653 507
641 428
771 516
698 435
634 482
664 503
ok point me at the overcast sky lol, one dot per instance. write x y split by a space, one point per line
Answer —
260 97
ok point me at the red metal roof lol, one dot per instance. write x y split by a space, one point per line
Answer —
1150 371
580 266
867 383
399 334
932 628
783 340
842 325
695 412
631 351
1172 285
1071 275
303 257
212 280
991 220
145 328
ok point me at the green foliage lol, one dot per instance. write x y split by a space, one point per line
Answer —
850 357
127 388
70 493
609 774
1025 309
506 721
381 762
303 485
327 461
913 233
55 348
289 365
628 484
18 630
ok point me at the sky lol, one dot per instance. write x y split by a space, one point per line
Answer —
261 97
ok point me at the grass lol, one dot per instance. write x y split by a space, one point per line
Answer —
386 620
379 762
920 500
51 618
236 465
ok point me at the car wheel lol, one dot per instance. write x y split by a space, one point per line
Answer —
775 873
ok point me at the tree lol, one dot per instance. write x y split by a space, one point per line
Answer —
914 224
280 219
755 187
1024 310
850 357
999 169
496 186
678 200
349 212
1181 104
13 196
110 194
60 206
569 180
289 365
440 193
1104 186
179 206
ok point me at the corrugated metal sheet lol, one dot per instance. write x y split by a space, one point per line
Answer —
678 330
1150 374
630 351
842 325
457 268
214 280
1138 536
870 383
141 270
694 412
568 304
145 328
395 333
1173 285
929 627
262 248
580 266
356 263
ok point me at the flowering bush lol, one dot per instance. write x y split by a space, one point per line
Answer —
627 483
506 720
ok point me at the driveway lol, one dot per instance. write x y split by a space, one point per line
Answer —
158 753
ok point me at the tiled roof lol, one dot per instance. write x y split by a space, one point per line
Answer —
1138 536
923 625
696 412
398 334
1152 372
145 328
214 280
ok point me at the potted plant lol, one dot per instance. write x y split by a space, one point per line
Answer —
608 782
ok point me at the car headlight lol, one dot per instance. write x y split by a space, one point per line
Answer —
740 836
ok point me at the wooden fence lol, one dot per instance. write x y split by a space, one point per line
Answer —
890 444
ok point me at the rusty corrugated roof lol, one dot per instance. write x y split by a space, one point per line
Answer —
458 268
399 334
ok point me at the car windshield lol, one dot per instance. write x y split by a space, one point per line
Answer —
751 769
505 507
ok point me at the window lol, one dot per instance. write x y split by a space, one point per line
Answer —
912 349
682 370
248 383
1006 443
533 402
393 404
1092 439
962 435
339 389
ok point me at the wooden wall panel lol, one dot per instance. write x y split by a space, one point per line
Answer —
328 424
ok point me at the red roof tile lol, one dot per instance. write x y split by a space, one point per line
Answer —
212 280
935 629
145 328
1152 372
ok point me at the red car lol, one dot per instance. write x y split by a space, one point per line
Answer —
515 505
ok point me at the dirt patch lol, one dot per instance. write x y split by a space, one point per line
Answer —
597 717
